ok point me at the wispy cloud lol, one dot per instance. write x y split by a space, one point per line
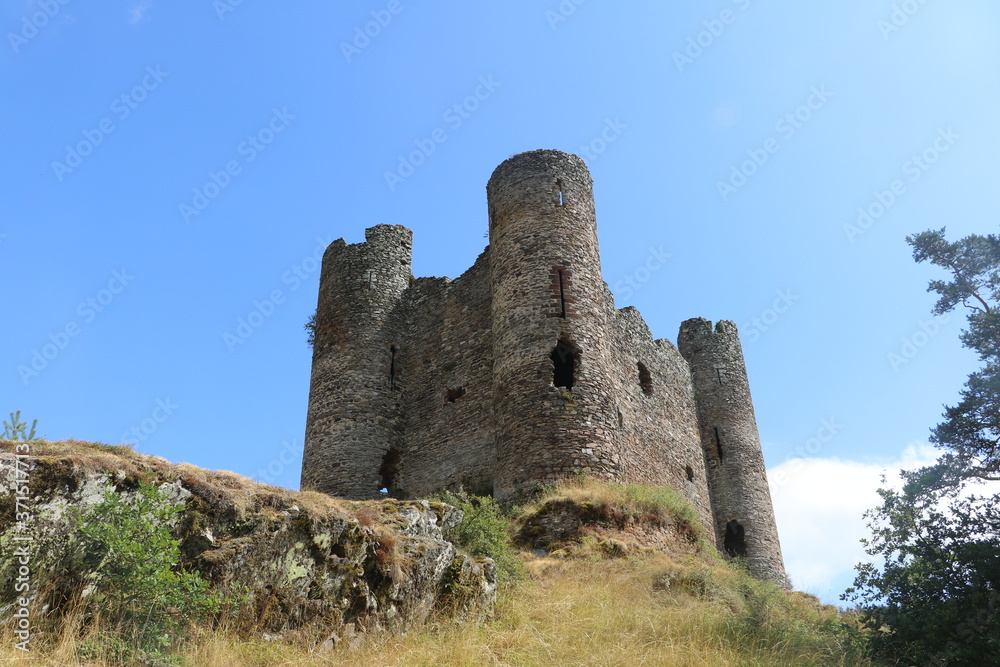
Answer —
819 513
138 13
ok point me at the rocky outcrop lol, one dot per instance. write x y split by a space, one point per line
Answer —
304 562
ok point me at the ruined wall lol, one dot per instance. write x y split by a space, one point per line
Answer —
741 500
521 372
355 409
659 436
549 310
449 406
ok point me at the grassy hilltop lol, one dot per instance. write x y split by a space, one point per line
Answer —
590 573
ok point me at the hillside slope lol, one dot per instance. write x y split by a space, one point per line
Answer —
308 564
611 575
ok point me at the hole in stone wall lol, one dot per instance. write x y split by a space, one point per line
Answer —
718 444
392 367
388 470
559 185
735 541
562 293
621 420
563 365
689 471
645 380
453 395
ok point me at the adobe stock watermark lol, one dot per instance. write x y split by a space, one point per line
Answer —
786 127
900 16
289 455
454 116
910 345
263 309
121 107
633 282
224 7
249 149
87 311
363 35
763 323
562 12
142 431
23 541
612 131
827 432
714 29
914 168
32 23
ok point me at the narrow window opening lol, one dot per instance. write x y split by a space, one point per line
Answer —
718 372
645 380
718 444
562 199
562 293
564 365
371 280
621 420
392 367
735 540
389 469
689 471
452 395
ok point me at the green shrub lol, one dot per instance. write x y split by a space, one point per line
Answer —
484 531
136 593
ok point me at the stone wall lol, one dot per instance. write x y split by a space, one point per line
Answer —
741 500
355 408
449 404
659 435
522 372
549 309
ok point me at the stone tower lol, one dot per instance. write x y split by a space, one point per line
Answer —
737 479
355 406
551 378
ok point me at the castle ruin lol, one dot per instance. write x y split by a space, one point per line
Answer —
522 372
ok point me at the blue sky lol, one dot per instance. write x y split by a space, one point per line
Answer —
172 170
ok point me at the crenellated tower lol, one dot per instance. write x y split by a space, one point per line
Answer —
552 383
355 394
737 478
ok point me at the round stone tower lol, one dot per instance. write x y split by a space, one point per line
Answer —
354 425
737 479
551 350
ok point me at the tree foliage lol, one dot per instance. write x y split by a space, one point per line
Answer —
970 432
16 430
936 598
932 597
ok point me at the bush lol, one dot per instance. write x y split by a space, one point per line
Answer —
136 594
484 532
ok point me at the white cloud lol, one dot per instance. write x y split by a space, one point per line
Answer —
137 14
819 505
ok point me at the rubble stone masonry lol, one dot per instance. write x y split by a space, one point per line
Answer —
522 372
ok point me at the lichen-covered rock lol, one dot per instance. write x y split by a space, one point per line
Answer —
305 561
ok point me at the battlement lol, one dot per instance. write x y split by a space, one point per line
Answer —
522 372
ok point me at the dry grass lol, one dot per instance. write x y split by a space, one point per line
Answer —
648 609
568 612
642 501
227 491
